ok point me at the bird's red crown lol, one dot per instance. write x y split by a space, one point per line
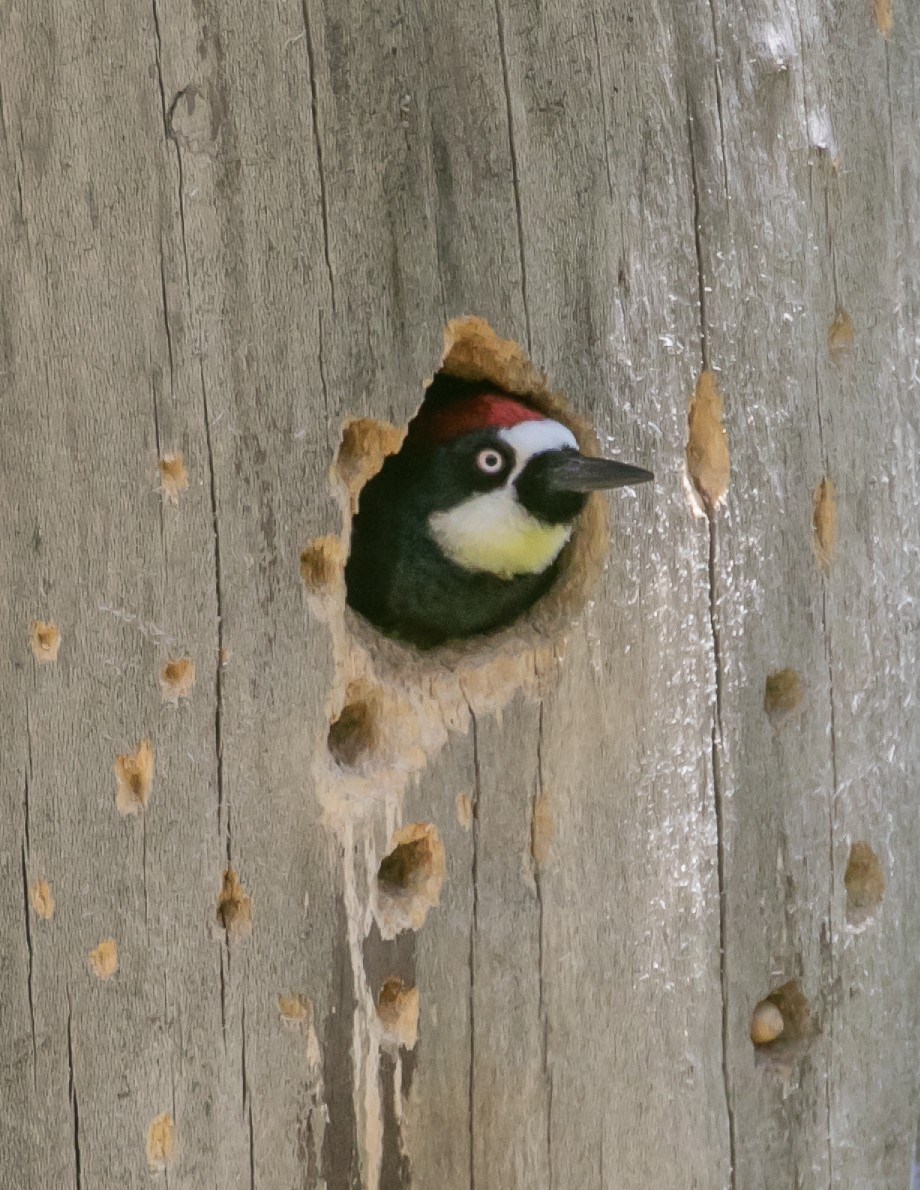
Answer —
480 412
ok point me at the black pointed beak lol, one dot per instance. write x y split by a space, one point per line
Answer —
555 484
565 471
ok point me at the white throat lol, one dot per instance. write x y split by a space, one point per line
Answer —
493 531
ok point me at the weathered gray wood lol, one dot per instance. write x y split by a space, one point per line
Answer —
225 232
814 226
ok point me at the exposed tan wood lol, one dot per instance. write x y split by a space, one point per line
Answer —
228 233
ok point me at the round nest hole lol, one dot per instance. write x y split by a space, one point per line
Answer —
475 354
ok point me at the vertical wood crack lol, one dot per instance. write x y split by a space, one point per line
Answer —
698 245
29 760
890 105
158 54
719 806
321 352
252 1149
167 113
29 983
224 956
438 254
159 450
166 326
318 141
180 186
26 853
717 735
4 122
603 94
222 827
835 780
543 1013
74 1106
515 180
247 1099
156 420
718 81
474 927
144 871
167 1018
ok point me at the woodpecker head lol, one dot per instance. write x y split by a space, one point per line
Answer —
504 483
459 532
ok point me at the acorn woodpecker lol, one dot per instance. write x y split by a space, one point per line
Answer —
460 532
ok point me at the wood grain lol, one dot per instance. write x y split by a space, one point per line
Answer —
224 234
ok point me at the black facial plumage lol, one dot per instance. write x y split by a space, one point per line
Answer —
397 576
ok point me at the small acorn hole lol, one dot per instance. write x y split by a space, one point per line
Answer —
234 908
783 694
409 879
865 884
177 679
824 523
173 477
840 336
134 779
354 736
708 460
781 1027
45 641
397 1011
321 564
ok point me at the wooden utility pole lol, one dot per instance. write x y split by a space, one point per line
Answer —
282 906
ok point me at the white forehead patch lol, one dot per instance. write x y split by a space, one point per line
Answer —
529 438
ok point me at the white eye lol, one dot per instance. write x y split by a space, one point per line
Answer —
490 461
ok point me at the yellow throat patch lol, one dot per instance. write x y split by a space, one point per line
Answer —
495 533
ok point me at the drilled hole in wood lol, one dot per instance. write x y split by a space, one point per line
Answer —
781 1026
173 477
295 1008
824 523
397 1011
708 462
42 899
159 1142
783 694
547 590
177 679
840 336
134 779
865 884
464 806
409 879
354 736
321 564
298 1013
45 641
234 908
542 829
103 959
